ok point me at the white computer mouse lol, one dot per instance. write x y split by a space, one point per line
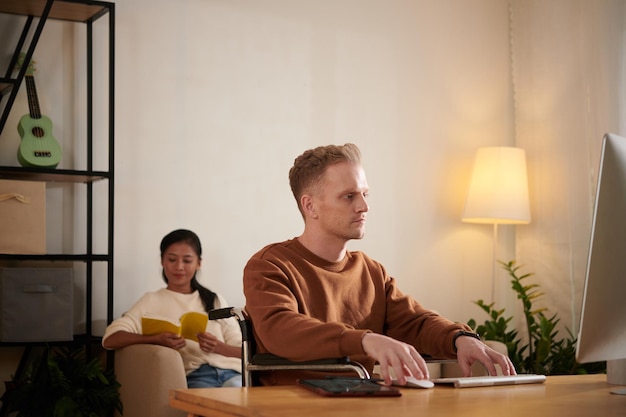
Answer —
412 382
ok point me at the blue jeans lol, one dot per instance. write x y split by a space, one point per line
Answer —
208 376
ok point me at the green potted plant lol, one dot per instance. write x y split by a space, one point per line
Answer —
543 351
64 383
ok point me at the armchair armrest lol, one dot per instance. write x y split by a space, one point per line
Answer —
147 373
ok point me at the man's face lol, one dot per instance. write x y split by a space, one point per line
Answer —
340 202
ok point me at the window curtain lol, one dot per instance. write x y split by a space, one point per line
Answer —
568 78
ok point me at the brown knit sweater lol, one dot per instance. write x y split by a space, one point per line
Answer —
303 307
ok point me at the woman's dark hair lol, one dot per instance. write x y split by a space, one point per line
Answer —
207 296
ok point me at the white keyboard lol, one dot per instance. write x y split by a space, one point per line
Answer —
487 381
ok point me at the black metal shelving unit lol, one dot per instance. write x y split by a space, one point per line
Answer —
35 14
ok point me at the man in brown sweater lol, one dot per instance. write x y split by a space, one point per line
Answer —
310 298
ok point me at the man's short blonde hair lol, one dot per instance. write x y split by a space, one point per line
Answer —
308 169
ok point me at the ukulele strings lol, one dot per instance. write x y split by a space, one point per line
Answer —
35 113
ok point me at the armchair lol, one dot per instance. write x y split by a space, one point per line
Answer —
147 373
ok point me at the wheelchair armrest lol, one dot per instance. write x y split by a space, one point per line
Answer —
271 359
266 361
226 312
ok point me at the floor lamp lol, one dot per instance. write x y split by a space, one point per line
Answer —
498 193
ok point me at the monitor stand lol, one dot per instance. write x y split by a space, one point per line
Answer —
616 375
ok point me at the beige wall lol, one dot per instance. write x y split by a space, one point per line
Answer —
216 99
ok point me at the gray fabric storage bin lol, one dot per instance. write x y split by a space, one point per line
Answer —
36 304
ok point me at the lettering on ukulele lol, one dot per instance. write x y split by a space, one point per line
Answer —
42 154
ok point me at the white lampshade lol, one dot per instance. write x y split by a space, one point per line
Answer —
498 191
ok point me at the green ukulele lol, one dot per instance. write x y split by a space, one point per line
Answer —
38 147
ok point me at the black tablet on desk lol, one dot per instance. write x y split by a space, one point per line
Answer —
348 387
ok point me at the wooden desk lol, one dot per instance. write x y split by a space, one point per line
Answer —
567 396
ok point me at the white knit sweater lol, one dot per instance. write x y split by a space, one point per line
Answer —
173 305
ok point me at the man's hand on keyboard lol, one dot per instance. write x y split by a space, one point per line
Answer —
470 350
392 354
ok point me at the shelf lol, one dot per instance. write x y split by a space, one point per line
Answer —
5 86
61 9
55 257
51 175
78 338
33 15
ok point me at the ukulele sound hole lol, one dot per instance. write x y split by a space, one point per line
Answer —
38 132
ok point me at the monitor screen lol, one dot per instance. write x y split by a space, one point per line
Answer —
602 332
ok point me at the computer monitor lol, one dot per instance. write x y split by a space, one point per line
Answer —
602 332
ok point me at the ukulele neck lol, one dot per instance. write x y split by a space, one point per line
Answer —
33 102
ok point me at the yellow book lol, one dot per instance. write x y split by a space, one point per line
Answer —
188 326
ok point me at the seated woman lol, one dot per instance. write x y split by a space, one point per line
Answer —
215 359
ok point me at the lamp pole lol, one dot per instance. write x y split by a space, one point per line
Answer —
494 262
